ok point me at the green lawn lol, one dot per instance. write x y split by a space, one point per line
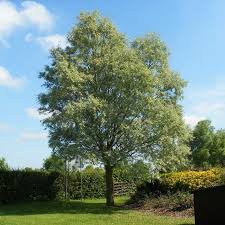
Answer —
77 213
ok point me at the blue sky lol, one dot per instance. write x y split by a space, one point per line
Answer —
193 30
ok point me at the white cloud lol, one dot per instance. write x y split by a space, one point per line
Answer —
52 41
192 120
36 14
207 102
7 80
33 136
30 13
9 18
35 114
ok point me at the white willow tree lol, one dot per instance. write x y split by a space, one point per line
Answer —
110 100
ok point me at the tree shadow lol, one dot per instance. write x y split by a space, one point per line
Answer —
73 207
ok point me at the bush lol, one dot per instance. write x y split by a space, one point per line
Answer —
172 183
154 188
192 180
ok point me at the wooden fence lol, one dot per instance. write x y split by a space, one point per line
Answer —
123 188
76 191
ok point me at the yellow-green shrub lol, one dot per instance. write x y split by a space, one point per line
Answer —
193 180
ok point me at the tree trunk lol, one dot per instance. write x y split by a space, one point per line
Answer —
66 180
109 185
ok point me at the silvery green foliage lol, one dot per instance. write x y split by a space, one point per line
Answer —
110 100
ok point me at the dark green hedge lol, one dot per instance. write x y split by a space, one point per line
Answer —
27 185
39 185
93 185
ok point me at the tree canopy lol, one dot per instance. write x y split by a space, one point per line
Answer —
110 100
53 163
207 145
3 164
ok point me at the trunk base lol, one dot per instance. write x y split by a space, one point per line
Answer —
109 185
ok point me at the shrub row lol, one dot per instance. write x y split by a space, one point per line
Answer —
39 185
170 183
93 185
32 185
192 180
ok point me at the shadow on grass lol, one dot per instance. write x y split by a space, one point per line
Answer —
73 207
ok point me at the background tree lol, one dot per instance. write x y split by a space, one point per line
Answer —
136 172
53 163
217 150
3 164
201 143
109 101
207 145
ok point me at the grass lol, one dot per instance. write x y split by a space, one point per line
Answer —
88 212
